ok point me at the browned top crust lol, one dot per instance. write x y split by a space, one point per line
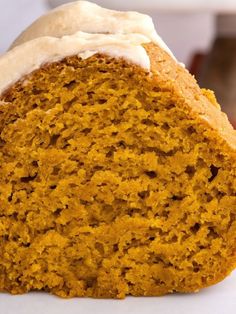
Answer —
172 75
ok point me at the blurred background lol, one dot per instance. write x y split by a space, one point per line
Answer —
201 34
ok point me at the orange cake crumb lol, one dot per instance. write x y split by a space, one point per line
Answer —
115 182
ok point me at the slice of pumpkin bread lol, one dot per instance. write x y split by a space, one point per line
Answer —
115 180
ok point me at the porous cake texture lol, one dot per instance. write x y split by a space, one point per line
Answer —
114 180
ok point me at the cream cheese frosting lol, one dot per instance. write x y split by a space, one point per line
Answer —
91 18
29 56
79 28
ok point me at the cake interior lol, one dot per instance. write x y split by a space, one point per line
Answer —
109 187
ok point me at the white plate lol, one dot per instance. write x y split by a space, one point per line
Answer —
219 299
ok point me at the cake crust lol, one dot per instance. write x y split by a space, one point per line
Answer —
199 101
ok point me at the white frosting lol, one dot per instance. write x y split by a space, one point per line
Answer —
79 28
91 18
29 56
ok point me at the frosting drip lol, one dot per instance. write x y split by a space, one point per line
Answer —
79 28
91 18
29 56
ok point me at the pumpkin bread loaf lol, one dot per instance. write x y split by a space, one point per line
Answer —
115 179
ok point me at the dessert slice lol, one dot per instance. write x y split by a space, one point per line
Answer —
117 172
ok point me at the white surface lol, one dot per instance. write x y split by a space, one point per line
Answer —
165 5
186 34
219 299
15 15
